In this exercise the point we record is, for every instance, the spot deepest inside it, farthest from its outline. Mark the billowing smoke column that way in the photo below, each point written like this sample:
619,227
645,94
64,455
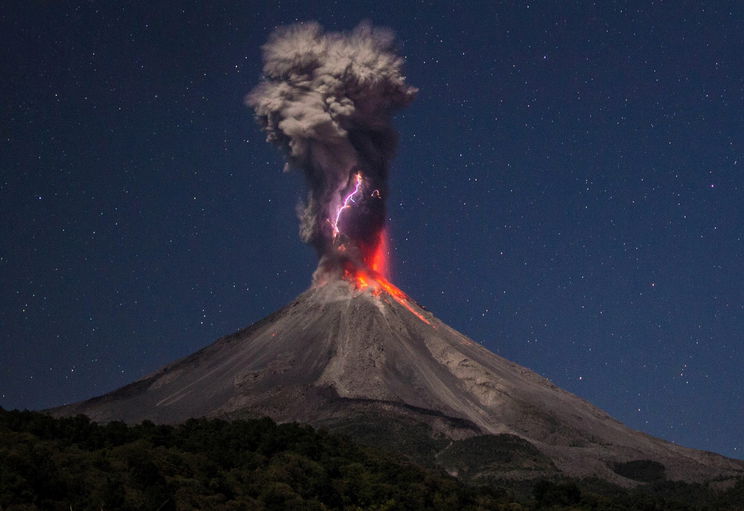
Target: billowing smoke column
326,99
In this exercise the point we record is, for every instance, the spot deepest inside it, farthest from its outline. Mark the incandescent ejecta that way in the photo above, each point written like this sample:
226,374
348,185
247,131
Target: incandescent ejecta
327,100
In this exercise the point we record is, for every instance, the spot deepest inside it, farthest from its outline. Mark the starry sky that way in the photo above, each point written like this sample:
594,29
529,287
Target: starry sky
567,191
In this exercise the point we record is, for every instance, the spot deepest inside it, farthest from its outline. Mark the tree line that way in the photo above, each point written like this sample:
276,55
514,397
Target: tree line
73,463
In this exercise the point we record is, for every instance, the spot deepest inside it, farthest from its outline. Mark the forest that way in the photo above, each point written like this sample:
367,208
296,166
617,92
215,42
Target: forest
75,464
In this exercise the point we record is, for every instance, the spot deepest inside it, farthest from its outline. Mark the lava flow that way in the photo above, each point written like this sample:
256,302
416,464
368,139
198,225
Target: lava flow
375,283
373,280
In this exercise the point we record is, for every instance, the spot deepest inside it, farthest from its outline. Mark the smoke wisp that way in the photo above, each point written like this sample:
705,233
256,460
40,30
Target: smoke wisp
326,100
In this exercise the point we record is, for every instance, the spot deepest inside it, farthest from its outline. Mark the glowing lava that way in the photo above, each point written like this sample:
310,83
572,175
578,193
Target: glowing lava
380,256
373,282
402,298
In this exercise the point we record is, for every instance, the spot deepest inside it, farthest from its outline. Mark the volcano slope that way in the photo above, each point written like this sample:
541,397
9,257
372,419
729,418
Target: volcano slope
374,364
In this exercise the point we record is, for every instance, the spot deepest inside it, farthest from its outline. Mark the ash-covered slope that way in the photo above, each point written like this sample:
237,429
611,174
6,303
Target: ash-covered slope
338,352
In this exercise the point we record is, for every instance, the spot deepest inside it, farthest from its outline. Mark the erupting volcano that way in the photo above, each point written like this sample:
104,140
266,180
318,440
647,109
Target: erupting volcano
326,100
354,353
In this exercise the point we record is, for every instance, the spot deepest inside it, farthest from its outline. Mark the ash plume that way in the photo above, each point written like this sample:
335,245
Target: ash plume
326,100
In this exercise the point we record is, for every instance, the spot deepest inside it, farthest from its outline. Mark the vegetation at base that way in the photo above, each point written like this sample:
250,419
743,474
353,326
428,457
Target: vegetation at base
73,463
412,439
646,471
481,459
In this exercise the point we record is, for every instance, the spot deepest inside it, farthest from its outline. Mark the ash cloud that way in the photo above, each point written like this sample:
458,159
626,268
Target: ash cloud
326,100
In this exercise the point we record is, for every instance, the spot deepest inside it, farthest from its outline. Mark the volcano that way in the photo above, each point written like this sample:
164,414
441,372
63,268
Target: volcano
361,357
354,353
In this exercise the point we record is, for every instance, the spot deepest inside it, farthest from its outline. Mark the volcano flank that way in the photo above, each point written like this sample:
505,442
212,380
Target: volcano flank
369,361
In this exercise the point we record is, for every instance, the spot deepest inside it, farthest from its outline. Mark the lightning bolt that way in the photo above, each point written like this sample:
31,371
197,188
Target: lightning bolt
348,201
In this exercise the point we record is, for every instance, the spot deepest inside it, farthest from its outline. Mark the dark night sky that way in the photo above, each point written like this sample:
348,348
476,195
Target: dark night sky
568,192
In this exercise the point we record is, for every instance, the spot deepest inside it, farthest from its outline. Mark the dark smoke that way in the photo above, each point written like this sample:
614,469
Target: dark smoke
326,99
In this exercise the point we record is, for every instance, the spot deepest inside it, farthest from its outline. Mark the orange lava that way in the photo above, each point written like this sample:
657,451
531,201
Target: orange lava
402,298
381,257
375,283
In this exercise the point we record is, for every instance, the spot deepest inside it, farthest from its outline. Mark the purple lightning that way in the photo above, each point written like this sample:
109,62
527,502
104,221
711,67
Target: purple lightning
349,199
